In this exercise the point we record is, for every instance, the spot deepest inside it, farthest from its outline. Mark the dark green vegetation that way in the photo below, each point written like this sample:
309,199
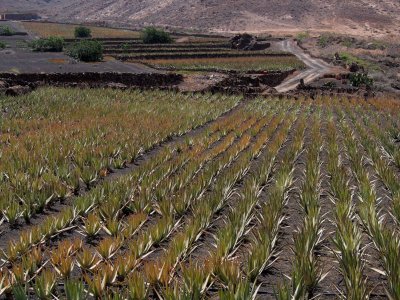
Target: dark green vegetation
6,31
51,44
87,51
358,79
2,45
152,35
82,32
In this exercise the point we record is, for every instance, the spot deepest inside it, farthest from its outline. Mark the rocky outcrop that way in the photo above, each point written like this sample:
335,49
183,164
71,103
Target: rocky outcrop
250,83
247,42
93,80
18,90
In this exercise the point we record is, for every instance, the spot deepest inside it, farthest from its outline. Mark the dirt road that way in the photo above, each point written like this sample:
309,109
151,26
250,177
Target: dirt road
316,67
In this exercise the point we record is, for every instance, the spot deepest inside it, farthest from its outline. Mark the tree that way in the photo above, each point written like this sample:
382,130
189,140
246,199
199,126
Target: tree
82,32
152,35
51,44
88,51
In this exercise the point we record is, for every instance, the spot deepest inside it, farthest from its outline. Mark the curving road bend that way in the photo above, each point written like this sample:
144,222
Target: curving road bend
316,67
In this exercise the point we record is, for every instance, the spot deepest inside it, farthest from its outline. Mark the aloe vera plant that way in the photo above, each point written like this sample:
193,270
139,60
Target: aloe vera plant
92,226
5,282
45,284
137,288
87,260
74,290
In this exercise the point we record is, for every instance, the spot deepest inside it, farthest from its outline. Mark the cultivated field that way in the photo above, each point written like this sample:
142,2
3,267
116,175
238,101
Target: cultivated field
252,63
138,195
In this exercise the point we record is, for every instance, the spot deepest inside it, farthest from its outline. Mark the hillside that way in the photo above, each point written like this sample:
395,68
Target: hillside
361,17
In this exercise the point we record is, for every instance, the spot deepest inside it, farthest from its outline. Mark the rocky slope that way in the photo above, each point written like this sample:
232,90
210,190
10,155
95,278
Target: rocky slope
361,17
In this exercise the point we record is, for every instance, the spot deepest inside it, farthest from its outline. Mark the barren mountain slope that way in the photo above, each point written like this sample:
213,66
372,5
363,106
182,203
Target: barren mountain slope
352,16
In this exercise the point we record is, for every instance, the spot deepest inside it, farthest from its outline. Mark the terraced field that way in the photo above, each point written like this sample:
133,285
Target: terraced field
208,54
255,63
159,195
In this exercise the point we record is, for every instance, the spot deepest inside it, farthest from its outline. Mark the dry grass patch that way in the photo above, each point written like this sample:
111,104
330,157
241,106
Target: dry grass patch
67,30
58,60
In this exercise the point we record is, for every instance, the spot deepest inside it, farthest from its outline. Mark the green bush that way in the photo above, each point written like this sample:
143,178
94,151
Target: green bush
2,45
51,44
349,58
83,32
152,35
88,51
126,46
301,36
358,79
6,31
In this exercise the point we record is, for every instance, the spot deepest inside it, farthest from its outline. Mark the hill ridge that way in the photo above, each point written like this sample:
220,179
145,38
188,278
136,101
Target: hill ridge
360,17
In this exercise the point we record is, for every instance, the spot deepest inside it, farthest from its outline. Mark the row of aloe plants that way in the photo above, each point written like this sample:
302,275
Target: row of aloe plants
50,158
348,237
385,240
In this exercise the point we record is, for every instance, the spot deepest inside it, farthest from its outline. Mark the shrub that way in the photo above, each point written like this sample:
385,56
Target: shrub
126,46
51,44
348,42
6,31
358,79
301,36
152,35
88,51
325,40
82,32
349,58
2,45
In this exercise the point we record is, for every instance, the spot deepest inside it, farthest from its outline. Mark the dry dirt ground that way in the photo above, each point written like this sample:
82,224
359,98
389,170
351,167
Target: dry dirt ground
379,58
18,58
357,17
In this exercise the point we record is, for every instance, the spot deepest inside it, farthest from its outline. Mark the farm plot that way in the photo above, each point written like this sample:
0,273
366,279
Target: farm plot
254,63
194,55
277,198
54,146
